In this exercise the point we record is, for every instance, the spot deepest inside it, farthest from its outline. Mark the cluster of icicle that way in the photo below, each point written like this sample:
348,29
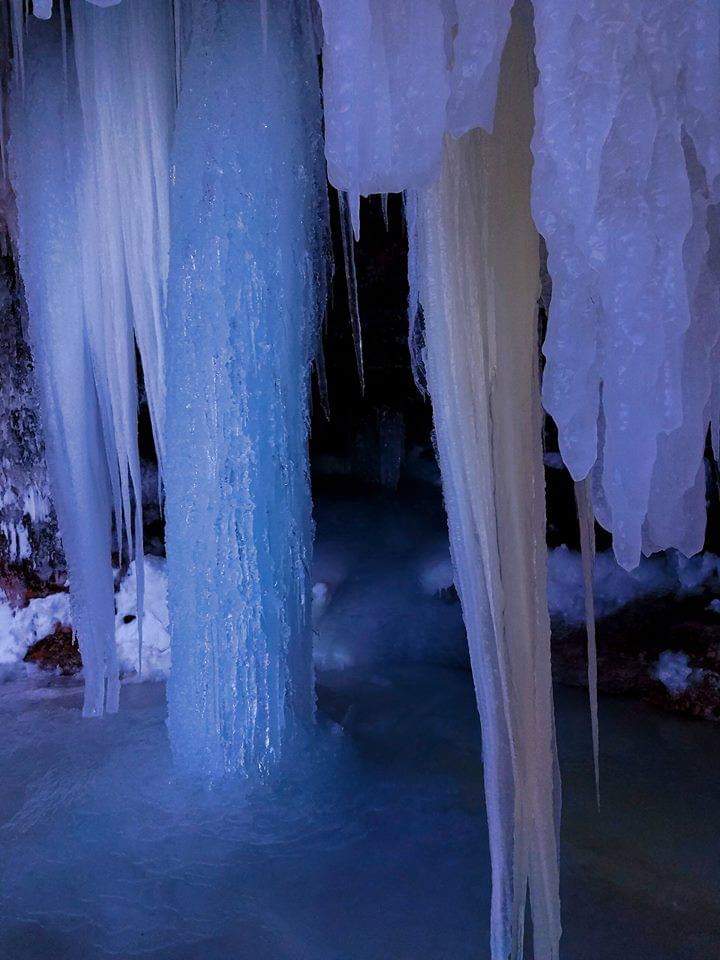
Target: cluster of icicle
396,76
181,215
89,163
626,147
474,269
624,137
627,167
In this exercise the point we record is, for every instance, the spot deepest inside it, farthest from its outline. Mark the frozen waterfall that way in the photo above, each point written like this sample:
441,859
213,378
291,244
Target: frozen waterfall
168,163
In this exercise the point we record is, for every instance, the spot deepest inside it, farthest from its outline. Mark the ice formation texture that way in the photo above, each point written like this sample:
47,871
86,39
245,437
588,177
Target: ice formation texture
478,267
247,287
625,192
89,162
396,75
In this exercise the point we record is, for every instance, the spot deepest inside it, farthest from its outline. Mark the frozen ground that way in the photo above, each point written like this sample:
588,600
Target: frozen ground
374,846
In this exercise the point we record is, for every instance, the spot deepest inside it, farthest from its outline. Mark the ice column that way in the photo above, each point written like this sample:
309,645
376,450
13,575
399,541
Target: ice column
477,255
247,285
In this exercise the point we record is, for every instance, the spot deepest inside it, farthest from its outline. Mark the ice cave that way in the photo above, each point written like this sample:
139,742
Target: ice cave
359,485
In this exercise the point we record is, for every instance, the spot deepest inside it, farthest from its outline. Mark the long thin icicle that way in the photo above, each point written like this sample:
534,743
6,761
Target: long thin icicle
586,522
479,274
348,233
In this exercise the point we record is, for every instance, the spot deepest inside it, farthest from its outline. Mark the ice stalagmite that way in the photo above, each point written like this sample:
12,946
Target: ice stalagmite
626,150
90,167
247,284
478,263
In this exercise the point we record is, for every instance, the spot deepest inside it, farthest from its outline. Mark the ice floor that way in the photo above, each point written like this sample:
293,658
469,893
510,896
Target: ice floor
374,846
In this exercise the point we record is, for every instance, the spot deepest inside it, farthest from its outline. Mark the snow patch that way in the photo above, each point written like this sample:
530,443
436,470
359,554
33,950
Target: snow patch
20,629
669,573
673,670
437,576
156,635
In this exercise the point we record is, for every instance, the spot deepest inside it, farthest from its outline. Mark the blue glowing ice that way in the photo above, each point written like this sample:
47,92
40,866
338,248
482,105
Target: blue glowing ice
247,285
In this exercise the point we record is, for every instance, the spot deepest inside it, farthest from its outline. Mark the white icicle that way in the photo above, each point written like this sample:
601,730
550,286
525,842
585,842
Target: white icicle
46,161
586,523
386,84
479,273
627,155
481,31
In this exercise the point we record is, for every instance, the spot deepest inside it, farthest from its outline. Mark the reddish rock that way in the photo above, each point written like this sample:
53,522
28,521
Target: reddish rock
58,651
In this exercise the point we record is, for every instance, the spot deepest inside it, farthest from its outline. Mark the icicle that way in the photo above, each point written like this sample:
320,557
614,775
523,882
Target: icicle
114,219
416,333
42,9
586,522
128,120
46,162
626,152
481,30
479,276
124,227
348,244
385,86
17,29
249,214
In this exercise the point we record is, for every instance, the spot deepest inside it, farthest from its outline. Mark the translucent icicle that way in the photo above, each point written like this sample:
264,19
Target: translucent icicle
46,162
586,522
385,86
479,282
384,209
348,244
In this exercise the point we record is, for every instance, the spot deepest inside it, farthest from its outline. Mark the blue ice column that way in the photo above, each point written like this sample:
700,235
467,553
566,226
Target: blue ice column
246,288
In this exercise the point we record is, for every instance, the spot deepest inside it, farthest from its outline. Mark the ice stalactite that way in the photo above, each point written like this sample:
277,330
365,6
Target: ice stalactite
45,159
90,165
586,523
478,263
625,190
247,289
396,75
125,63
348,236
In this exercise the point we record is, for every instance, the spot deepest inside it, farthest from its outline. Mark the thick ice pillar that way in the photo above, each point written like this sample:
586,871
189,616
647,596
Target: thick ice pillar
477,254
246,286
